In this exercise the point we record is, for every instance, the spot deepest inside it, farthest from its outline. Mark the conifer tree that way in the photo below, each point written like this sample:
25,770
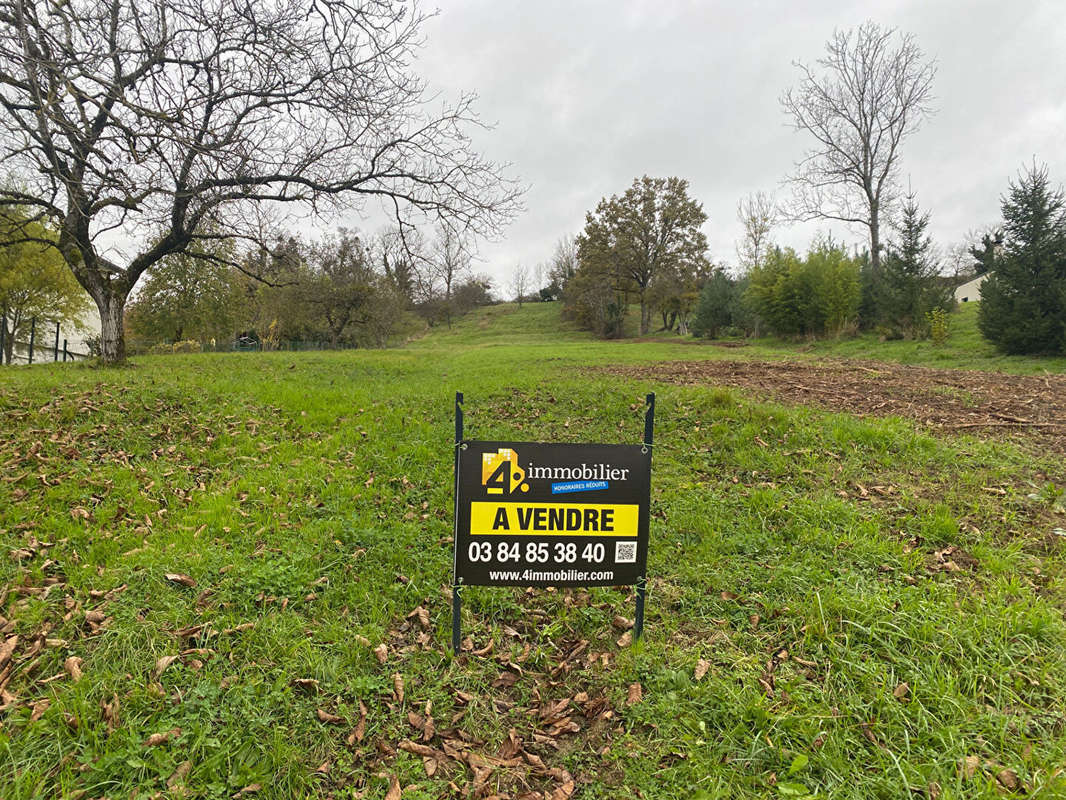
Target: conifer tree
1023,301
908,288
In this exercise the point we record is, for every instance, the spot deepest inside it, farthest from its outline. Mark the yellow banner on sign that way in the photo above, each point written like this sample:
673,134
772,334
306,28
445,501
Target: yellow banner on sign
553,519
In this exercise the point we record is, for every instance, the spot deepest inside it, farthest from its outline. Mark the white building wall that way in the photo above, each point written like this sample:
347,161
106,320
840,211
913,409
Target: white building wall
970,292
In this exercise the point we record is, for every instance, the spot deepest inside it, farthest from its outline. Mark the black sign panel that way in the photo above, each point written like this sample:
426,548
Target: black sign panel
531,514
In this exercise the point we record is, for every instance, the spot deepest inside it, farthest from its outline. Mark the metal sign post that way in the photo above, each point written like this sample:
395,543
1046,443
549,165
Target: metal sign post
543,514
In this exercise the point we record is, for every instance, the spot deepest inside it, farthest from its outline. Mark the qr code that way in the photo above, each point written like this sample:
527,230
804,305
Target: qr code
625,552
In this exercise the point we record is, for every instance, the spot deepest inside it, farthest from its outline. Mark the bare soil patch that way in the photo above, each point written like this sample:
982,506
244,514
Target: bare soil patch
945,399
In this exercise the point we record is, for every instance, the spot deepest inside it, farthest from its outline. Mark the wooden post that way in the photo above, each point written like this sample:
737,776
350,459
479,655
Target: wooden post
33,335
55,350
64,351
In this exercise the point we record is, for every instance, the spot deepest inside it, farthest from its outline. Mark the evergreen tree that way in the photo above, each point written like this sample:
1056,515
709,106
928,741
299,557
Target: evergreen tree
908,287
716,306
1023,301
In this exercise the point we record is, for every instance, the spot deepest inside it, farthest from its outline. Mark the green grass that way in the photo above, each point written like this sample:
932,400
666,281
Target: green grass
310,495
965,349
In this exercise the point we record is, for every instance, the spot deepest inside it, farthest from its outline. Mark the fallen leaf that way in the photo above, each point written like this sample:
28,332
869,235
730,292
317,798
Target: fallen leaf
382,653
394,789
251,788
968,766
324,767
110,712
359,731
621,622
157,739
932,791
727,596
868,733
626,639
328,718
39,708
1008,779
754,620
397,687
179,775
430,765
359,638
73,667
901,692
306,685
7,649
162,664
701,668
180,577
423,616
636,694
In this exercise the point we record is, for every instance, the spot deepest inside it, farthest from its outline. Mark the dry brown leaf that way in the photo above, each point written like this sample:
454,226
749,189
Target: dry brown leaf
754,620
1008,779
162,664
701,668
39,708
251,788
157,739
430,765
73,667
622,623
180,577
326,717
901,692
179,775
968,766
422,615
110,712
932,791
306,685
394,789
382,653
727,596
359,731
626,639
324,767
416,721
635,695
360,639
7,649
418,749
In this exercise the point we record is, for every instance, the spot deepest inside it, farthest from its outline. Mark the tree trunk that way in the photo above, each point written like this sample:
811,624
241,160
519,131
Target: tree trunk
112,330
645,317
875,241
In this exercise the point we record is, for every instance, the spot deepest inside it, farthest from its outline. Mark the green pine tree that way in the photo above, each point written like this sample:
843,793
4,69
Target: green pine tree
1023,301
909,286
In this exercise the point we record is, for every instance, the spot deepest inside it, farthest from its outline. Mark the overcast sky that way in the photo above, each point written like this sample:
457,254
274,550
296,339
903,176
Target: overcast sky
587,96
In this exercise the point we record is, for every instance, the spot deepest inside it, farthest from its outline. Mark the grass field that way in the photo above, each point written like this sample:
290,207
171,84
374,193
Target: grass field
838,608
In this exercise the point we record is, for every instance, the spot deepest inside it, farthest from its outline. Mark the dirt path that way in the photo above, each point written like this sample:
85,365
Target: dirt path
946,399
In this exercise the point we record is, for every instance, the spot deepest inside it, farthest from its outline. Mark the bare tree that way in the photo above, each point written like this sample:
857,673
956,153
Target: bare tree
873,90
134,122
520,283
563,264
758,213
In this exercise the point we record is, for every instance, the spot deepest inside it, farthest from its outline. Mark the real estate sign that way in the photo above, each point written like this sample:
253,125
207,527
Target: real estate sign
534,514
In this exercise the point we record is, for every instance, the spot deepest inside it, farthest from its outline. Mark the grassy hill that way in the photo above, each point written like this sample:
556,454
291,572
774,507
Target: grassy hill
227,575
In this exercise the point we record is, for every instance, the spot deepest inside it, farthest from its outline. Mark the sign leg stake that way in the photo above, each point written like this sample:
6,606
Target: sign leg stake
642,581
457,589
457,624
638,622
